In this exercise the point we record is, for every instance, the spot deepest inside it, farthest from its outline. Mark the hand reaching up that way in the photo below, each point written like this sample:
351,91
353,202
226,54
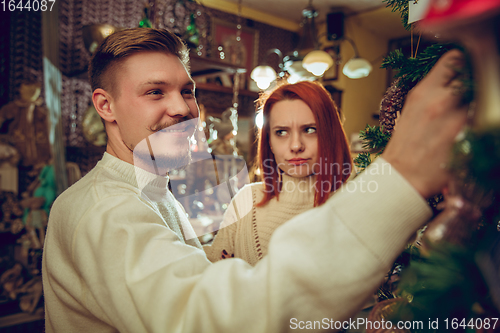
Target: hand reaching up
432,117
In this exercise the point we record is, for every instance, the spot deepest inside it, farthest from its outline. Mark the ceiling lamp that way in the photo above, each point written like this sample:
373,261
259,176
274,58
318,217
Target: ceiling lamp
263,76
317,62
307,62
356,67
292,64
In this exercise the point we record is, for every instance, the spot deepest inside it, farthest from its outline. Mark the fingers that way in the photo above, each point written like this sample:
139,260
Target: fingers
442,86
432,116
457,88
447,69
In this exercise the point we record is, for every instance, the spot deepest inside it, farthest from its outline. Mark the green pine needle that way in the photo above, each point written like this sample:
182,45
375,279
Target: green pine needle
374,139
395,60
447,284
414,69
400,6
362,161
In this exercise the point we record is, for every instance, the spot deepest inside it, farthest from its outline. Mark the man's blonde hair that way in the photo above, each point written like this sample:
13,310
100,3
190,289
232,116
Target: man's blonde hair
121,44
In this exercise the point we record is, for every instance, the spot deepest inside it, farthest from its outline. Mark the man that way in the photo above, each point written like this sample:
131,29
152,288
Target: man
116,258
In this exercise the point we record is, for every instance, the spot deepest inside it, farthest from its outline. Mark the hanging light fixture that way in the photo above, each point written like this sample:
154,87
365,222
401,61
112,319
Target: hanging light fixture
306,62
356,67
317,62
264,75
303,62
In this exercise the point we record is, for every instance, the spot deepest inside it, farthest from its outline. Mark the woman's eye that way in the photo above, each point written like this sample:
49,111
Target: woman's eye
311,130
281,132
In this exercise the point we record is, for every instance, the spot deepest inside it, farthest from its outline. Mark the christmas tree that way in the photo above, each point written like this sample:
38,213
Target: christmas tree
450,277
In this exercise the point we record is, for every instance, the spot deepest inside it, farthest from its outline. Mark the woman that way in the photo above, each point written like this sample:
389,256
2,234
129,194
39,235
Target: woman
303,156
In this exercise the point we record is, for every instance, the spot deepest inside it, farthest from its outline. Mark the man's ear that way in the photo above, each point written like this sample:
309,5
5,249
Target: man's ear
102,103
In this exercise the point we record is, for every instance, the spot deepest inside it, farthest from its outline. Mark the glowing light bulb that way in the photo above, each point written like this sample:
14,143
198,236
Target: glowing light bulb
263,76
317,62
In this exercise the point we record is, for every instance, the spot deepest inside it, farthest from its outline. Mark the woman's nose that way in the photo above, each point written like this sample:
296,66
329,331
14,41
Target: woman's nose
296,144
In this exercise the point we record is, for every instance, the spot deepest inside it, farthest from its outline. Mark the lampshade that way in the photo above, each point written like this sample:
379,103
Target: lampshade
263,76
317,62
292,63
357,68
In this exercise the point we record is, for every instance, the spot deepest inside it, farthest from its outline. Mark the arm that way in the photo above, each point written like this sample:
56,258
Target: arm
320,264
142,278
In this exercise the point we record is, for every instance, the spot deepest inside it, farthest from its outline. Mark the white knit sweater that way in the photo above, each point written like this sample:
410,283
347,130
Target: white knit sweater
117,261
246,235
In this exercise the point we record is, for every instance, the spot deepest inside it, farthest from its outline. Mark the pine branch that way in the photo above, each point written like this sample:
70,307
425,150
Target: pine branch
395,60
402,7
374,139
423,63
444,285
412,70
362,161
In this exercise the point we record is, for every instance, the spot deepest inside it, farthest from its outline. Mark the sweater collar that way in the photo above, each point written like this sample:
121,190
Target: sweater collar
133,175
298,190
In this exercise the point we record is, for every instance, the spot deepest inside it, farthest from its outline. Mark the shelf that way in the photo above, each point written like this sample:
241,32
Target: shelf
225,90
21,318
206,67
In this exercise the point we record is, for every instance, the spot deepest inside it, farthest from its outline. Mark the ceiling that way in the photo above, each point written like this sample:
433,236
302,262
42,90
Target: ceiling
376,16
292,9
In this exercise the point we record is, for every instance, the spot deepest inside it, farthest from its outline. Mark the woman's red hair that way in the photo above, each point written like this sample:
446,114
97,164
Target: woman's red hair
333,150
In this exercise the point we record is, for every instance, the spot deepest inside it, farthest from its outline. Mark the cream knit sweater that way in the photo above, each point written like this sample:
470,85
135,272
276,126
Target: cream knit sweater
116,260
246,230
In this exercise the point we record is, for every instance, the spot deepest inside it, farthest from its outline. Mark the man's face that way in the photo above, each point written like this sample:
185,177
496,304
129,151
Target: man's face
155,110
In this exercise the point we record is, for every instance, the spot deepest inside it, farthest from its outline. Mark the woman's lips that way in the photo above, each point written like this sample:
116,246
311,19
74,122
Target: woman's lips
297,161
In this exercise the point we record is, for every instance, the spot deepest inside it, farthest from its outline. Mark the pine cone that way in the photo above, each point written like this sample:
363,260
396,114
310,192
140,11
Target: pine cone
393,102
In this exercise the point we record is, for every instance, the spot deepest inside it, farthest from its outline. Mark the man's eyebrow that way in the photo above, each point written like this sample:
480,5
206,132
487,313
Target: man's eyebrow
151,83
190,83
165,83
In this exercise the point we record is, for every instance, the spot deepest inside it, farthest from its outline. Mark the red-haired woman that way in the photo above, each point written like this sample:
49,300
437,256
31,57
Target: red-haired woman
303,156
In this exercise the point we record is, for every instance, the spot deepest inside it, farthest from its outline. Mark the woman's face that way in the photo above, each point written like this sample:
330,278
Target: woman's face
293,137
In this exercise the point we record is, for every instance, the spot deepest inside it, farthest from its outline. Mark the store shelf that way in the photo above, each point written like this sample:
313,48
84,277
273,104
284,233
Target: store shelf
225,90
21,318
207,67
